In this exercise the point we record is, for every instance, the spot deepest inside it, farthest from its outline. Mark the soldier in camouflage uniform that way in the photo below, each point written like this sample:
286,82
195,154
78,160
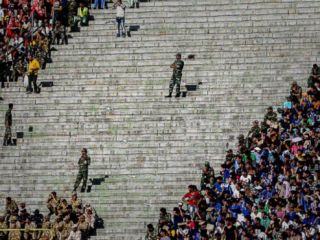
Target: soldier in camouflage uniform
53,203
75,201
177,67
67,226
255,130
15,234
83,227
269,119
72,11
207,174
58,227
11,207
83,163
3,225
164,218
62,208
151,233
8,124
29,233
47,234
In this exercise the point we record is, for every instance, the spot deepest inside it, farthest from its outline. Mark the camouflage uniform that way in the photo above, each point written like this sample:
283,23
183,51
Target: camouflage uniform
53,203
11,207
83,163
72,11
151,236
270,117
3,225
164,220
176,76
67,225
76,203
29,233
207,174
62,208
255,130
14,235
8,124
58,228
47,234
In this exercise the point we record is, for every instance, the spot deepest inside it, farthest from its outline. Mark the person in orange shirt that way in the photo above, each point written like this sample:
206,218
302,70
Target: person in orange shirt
33,69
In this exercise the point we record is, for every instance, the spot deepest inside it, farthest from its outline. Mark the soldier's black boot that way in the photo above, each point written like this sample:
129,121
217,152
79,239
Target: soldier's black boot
177,95
169,96
83,190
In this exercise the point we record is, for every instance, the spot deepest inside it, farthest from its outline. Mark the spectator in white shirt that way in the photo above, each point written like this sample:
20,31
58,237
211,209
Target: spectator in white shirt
75,234
245,178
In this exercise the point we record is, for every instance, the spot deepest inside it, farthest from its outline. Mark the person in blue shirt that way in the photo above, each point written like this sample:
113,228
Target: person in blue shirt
176,217
218,185
292,215
287,104
309,218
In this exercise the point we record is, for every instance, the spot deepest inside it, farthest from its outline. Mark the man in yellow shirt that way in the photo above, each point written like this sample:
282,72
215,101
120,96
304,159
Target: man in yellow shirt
33,69
82,15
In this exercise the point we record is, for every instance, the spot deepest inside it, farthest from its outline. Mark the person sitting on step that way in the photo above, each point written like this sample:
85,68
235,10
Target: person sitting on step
82,16
59,33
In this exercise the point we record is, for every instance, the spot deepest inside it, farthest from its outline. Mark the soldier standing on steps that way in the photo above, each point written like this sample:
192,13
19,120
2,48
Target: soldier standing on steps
72,11
8,124
177,67
83,163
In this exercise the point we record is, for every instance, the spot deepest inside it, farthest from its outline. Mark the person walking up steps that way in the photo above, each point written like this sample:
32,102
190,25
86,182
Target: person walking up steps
83,163
177,67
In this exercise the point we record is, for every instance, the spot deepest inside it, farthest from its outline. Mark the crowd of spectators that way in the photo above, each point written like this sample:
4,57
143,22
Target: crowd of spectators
28,29
267,189
67,220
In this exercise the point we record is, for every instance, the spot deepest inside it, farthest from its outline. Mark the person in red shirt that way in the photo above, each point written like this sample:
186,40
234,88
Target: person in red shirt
192,198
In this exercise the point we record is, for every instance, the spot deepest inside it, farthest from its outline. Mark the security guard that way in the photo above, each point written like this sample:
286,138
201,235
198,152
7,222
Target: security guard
8,124
177,67
83,163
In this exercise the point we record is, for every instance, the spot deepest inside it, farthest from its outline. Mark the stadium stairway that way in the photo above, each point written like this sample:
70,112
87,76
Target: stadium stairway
108,96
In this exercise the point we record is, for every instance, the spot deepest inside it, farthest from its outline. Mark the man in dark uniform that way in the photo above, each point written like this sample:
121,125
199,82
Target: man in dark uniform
314,75
255,130
177,67
207,174
8,124
83,163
